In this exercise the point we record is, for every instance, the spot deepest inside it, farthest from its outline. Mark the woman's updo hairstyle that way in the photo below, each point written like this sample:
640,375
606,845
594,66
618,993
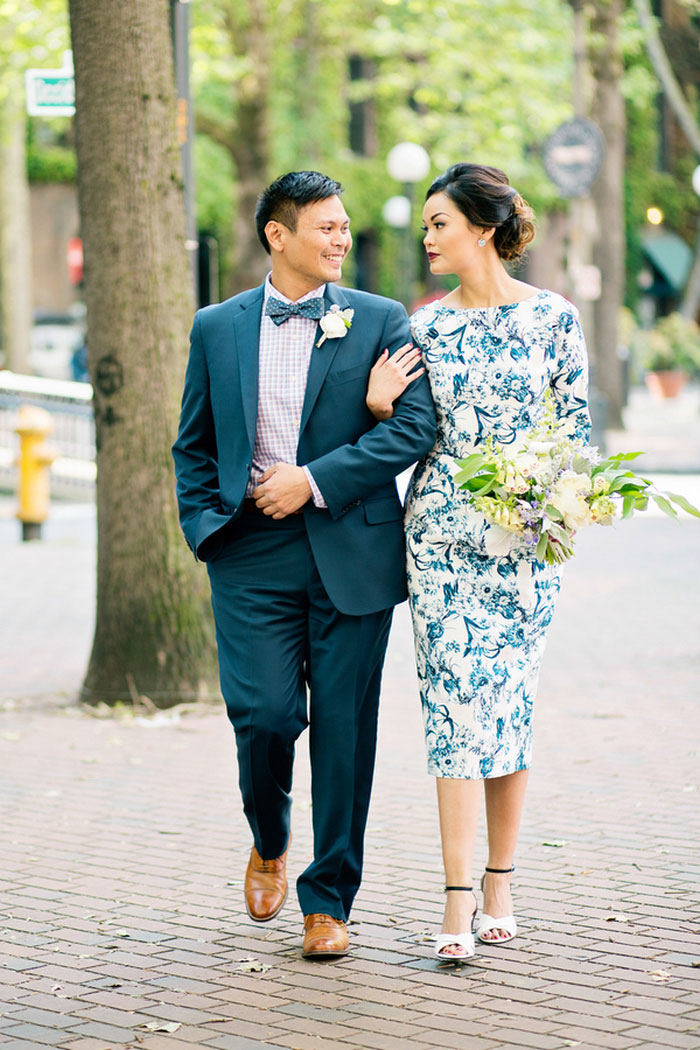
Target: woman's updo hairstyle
487,199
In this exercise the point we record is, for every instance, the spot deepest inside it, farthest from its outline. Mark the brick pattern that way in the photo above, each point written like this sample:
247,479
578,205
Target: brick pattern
122,850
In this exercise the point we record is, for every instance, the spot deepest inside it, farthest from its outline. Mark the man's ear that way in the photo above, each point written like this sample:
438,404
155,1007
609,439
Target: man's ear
276,233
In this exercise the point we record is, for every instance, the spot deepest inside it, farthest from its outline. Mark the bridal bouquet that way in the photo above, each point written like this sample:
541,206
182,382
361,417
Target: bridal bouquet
542,492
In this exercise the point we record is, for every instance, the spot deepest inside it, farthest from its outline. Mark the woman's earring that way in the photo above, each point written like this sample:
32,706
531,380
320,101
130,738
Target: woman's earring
481,242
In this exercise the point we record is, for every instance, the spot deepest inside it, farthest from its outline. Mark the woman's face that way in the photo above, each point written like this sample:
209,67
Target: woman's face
450,240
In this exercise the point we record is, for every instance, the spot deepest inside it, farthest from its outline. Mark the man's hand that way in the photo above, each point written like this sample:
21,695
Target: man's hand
283,489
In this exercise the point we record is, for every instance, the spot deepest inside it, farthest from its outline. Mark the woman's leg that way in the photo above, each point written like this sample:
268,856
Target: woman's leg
504,806
458,806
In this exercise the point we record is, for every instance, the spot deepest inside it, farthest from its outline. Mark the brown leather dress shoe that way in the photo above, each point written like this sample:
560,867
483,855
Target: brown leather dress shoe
265,886
324,936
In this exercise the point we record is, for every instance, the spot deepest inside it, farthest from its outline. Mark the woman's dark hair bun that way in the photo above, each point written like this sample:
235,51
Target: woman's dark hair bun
485,196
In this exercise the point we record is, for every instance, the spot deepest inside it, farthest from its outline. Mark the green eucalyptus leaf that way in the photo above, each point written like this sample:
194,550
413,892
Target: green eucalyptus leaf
558,533
488,482
628,506
663,504
683,503
621,457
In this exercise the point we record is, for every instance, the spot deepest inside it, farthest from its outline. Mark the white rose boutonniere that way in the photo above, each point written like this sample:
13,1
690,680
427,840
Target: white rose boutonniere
335,324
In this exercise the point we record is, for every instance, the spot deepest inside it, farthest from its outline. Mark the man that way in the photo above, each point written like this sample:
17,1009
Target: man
286,489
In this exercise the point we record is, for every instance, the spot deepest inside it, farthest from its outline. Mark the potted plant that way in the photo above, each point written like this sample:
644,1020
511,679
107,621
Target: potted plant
670,353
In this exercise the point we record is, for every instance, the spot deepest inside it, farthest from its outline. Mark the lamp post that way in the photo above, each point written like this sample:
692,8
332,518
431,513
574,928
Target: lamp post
408,163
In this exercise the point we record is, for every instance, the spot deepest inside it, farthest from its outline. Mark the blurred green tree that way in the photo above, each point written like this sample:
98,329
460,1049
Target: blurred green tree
32,33
274,87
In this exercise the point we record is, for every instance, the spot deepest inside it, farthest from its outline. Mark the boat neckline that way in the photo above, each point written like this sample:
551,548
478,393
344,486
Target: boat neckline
497,306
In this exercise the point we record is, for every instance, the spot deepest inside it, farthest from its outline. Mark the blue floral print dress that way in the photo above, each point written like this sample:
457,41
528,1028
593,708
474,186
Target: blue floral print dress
480,621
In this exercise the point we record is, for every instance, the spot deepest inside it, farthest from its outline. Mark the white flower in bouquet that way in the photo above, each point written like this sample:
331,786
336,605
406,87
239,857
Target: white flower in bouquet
541,494
569,497
527,464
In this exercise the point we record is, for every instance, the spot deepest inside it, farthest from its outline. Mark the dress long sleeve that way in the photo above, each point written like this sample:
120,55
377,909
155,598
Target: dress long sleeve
569,382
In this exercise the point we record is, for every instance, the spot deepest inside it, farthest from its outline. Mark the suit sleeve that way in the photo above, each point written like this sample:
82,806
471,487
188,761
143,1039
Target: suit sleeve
194,451
351,472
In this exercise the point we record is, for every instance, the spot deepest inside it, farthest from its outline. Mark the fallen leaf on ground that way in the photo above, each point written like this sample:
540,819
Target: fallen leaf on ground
660,975
160,1026
253,966
155,721
555,844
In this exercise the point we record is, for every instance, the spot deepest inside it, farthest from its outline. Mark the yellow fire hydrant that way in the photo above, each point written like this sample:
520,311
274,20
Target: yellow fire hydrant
35,458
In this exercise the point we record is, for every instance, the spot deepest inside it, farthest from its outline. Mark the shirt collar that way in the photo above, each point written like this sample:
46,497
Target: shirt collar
270,290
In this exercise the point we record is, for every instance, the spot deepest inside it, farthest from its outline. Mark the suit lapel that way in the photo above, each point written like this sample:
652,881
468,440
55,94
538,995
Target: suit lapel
246,333
321,356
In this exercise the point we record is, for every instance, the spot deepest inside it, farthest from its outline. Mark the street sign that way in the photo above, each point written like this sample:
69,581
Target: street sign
573,155
51,92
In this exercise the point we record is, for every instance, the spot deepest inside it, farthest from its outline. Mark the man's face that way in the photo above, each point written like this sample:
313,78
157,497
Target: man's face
316,250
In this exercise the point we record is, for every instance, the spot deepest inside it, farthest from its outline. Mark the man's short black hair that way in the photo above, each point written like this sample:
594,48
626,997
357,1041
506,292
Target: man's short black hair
285,196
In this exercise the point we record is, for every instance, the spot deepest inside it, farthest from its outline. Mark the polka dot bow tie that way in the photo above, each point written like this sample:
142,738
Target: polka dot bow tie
280,311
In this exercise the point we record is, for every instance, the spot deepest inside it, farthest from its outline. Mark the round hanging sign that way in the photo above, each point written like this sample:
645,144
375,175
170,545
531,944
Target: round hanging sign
573,155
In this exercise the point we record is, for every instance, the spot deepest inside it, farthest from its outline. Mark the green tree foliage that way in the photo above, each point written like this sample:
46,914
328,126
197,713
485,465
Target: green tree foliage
32,33
464,83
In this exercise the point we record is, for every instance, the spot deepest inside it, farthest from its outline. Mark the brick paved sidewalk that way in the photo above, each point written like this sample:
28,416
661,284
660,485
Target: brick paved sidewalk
122,850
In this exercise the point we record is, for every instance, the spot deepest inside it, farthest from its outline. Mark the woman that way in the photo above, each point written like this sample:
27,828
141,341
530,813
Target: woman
493,348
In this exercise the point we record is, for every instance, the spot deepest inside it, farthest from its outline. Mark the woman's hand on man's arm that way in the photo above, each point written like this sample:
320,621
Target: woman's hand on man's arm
389,378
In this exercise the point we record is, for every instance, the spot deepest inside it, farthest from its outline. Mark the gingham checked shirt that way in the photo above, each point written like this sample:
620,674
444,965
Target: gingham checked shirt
285,353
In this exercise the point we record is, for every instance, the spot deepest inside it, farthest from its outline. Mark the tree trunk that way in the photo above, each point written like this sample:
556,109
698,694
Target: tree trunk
15,236
664,71
250,143
153,633
608,112
691,297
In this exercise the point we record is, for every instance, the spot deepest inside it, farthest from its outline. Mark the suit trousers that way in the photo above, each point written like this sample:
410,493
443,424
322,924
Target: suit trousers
277,634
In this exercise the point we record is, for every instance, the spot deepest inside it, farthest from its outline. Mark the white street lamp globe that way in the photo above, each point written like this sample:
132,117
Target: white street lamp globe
408,162
696,180
397,212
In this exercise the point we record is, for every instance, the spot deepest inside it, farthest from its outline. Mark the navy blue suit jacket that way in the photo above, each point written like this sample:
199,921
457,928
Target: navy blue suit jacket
357,542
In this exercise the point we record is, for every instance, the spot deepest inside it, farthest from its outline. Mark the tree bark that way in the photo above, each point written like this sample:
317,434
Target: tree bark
154,633
664,71
15,236
250,144
608,112
691,297
684,115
